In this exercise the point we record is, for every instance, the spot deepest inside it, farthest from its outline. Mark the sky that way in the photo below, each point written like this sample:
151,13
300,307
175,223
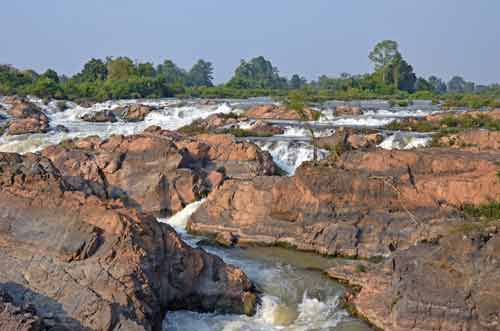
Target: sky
308,37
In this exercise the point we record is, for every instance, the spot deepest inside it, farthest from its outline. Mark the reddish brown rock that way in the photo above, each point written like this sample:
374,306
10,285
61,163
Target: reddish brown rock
222,151
346,110
474,139
367,204
449,285
133,113
102,116
147,172
261,128
89,264
27,118
157,171
211,123
281,113
350,139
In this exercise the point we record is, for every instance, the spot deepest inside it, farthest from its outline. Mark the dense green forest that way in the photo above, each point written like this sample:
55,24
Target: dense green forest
121,78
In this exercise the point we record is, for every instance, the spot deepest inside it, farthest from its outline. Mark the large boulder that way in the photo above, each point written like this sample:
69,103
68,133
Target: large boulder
448,285
147,172
102,116
133,113
90,264
347,110
349,139
239,159
26,118
276,112
158,171
366,204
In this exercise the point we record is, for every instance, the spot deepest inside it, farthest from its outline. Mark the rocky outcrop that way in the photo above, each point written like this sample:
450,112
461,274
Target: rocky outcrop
158,171
102,116
211,123
90,264
350,139
238,159
281,113
448,285
26,118
473,139
366,204
15,318
147,172
133,113
261,128
346,110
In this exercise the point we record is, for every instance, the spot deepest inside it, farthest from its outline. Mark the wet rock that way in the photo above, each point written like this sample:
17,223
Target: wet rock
366,204
238,159
346,110
61,128
133,113
211,123
102,116
261,128
89,264
281,113
26,118
448,285
350,139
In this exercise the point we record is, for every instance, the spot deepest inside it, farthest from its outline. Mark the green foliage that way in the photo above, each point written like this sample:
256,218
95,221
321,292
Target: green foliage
201,74
489,211
258,73
93,70
121,68
360,268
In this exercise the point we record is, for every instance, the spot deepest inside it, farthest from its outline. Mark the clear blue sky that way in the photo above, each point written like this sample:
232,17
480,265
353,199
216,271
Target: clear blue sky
310,37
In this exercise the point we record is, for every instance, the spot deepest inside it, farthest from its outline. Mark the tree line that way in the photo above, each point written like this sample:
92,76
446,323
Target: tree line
122,78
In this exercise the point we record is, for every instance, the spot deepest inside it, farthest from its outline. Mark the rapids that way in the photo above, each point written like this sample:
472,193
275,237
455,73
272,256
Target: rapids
296,295
289,150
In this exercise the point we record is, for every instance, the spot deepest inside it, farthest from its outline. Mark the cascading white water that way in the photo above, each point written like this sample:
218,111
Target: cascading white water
295,298
289,155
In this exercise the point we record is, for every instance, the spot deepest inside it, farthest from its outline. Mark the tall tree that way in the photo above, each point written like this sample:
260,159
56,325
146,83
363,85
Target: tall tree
383,54
146,70
172,74
401,75
201,74
121,68
438,85
423,85
93,70
458,85
52,75
297,82
257,73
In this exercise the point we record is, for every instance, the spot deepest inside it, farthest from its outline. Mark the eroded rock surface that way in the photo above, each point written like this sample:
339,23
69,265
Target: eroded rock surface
26,118
90,264
367,204
449,285
281,113
158,171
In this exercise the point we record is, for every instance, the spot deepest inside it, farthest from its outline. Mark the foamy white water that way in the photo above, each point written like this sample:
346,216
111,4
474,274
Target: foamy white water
289,155
405,141
294,297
